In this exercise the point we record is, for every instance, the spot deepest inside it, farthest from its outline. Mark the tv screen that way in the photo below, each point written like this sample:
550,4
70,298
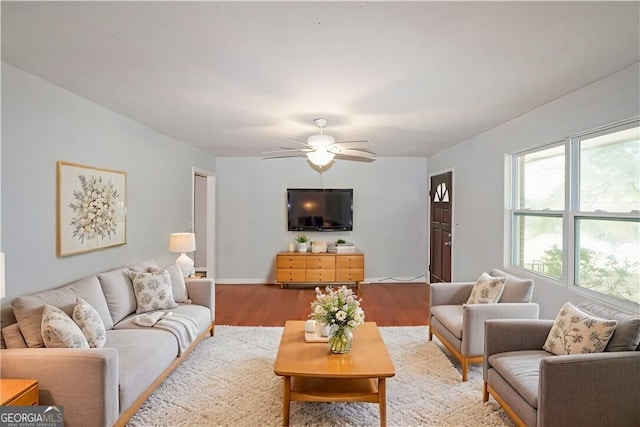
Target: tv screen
312,209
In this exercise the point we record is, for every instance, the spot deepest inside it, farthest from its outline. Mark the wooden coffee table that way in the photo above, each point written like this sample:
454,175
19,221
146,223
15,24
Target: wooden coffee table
313,374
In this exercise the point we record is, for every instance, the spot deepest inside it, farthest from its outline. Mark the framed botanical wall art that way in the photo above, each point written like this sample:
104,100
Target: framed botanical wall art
91,207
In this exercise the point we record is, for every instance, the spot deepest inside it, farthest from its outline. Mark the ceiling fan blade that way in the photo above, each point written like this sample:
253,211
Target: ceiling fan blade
286,150
294,142
354,158
355,142
352,153
284,157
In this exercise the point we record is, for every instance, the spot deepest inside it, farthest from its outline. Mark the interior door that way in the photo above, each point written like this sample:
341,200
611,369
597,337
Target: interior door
441,202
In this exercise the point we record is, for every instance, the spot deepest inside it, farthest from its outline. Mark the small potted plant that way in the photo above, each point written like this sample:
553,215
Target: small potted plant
302,242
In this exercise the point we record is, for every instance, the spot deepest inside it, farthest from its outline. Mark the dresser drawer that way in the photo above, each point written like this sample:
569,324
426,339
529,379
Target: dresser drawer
320,261
349,275
290,275
320,275
290,261
18,392
350,261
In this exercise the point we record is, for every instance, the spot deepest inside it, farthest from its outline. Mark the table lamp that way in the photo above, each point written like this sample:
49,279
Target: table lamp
182,243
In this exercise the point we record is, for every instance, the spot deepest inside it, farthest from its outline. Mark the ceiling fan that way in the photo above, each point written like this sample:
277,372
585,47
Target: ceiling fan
321,148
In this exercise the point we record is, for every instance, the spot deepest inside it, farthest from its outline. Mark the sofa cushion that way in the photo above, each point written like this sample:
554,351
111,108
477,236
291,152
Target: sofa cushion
521,369
178,286
12,337
487,290
28,309
576,332
450,316
142,356
90,323
152,291
143,266
515,289
59,330
626,335
118,291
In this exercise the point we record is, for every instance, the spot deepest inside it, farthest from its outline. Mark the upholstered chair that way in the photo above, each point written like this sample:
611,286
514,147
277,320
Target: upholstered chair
460,326
541,389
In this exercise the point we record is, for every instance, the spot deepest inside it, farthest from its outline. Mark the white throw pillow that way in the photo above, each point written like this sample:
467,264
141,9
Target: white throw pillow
59,331
487,290
576,332
178,287
153,291
90,323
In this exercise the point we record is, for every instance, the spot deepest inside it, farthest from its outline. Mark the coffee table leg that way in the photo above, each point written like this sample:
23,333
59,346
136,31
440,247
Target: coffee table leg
382,396
286,401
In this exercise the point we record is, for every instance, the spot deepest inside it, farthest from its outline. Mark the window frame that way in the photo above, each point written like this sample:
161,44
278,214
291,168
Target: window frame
570,215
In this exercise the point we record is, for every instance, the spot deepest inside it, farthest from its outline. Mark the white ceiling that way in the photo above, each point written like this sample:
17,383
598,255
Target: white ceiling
233,78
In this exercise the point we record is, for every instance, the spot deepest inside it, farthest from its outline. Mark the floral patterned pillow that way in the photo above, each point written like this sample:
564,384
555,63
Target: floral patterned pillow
487,290
59,331
90,323
576,332
153,291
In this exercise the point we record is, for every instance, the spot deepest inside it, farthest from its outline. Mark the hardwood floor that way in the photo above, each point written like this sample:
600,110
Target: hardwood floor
387,304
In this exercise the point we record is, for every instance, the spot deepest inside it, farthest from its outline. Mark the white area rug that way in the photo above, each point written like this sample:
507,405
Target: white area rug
228,380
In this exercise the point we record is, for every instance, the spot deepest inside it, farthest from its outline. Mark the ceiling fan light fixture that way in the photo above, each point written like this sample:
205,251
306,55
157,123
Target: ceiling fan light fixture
320,157
320,140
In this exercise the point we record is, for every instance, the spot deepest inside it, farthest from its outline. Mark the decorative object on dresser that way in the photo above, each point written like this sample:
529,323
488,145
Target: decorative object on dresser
326,268
181,243
91,212
302,240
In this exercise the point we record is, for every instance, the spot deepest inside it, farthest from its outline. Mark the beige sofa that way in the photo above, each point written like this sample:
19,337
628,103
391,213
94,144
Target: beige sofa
100,386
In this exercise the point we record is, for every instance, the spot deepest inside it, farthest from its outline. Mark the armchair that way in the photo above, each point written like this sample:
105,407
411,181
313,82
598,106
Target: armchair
460,327
539,389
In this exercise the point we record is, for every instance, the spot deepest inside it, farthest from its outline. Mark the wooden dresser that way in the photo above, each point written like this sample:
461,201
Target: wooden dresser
319,269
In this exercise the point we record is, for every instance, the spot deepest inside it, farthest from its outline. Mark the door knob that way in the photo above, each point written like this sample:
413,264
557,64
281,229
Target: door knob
447,243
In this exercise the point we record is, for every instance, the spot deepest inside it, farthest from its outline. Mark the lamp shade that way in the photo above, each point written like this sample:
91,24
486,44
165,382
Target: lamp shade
182,242
320,156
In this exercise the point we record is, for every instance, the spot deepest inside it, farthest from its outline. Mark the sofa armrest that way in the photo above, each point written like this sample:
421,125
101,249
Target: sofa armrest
502,335
203,292
63,372
474,316
596,389
455,293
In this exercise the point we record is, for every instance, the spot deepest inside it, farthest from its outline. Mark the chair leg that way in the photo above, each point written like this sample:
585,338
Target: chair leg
430,334
485,392
465,368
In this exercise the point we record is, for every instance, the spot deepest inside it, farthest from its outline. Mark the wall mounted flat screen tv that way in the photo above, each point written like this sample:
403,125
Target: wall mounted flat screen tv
315,209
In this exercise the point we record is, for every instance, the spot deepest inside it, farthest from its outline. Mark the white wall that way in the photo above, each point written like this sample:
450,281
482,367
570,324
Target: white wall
42,124
480,172
390,211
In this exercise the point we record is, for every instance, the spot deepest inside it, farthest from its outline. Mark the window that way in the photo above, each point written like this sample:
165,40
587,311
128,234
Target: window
576,211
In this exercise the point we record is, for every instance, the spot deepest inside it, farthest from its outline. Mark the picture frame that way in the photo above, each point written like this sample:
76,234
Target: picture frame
91,208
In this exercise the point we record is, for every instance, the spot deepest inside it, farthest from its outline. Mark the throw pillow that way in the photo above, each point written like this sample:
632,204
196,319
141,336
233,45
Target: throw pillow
178,286
487,290
576,332
59,331
90,323
152,290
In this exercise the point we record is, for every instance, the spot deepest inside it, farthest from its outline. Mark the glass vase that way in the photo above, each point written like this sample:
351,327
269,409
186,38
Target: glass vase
340,339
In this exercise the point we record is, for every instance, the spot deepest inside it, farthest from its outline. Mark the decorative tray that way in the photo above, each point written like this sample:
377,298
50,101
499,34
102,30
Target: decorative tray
315,336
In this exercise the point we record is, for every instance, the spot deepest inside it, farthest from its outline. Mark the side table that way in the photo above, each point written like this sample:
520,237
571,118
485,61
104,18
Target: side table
19,392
